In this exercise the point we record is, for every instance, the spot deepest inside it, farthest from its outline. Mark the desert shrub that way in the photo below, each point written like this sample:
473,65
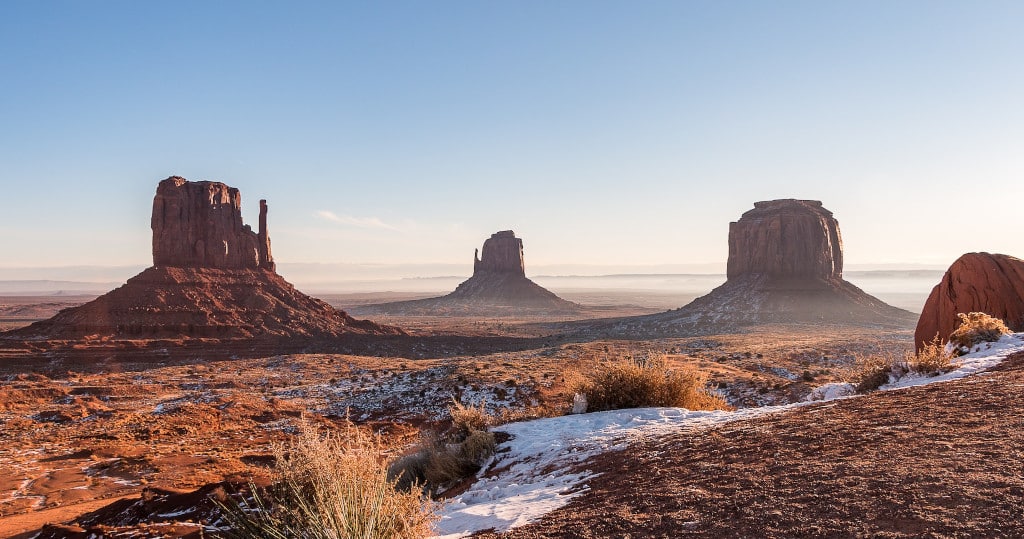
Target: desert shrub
933,359
643,382
872,372
441,461
467,419
331,486
976,328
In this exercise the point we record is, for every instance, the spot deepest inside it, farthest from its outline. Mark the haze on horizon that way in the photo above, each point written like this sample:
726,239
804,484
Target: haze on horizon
604,133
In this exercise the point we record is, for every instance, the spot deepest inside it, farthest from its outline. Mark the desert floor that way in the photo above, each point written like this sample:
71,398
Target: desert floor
91,427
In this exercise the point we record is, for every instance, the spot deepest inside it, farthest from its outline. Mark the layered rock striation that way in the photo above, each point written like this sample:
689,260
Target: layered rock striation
212,277
498,286
975,282
785,266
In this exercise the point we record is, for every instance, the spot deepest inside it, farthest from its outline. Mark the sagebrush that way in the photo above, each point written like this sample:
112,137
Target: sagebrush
868,373
331,486
440,461
976,328
643,382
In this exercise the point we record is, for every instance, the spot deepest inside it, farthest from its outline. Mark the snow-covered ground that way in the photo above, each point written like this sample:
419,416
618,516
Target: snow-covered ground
534,473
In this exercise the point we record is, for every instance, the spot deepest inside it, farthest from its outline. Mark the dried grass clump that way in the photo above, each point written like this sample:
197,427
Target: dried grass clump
331,486
467,418
643,382
872,372
976,328
933,359
439,463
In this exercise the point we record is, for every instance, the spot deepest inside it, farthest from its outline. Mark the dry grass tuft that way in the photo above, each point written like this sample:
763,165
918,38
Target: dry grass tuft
976,328
331,486
872,372
643,382
467,419
439,463
932,360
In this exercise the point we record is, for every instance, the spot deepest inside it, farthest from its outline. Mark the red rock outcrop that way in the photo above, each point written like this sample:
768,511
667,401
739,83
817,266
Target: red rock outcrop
498,284
199,225
786,238
211,277
502,253
976,282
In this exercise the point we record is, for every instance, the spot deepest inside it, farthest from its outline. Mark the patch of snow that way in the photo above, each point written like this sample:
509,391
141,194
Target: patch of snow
831,391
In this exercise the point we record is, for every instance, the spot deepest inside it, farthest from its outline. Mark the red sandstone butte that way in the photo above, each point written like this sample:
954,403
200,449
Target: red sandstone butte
212,277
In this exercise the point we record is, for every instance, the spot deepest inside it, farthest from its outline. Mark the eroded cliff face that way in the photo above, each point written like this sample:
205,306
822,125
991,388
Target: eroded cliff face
976,282
787,239
502,253
199,225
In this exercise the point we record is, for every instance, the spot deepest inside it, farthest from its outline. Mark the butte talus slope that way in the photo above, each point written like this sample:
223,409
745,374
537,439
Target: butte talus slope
498,286
975,282
212,276
785,267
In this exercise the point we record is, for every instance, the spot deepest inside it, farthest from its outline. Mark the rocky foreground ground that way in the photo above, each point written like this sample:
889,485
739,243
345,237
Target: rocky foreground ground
943,460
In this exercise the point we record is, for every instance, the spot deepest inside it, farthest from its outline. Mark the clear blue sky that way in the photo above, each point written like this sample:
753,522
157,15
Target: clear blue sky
601,132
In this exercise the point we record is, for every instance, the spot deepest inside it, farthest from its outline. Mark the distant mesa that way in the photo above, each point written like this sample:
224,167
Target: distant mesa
975,282
498,286
212,277
785,266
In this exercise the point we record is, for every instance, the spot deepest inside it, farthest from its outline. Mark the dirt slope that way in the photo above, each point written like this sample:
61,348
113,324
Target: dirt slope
943,460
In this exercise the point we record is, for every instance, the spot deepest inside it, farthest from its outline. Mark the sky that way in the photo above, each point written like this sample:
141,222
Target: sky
604,133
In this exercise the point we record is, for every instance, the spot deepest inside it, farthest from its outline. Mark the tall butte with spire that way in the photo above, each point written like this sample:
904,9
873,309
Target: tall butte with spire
212,277
498,285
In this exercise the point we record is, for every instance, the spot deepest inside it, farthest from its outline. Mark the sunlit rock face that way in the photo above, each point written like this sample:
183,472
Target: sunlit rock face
199,225
976,282
788,238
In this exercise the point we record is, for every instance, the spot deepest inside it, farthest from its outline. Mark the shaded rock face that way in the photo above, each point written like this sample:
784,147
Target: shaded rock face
199,225
502,253
785,267
498,284
976,282
788,238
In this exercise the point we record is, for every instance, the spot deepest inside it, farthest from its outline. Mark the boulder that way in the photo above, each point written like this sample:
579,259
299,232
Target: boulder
976,282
